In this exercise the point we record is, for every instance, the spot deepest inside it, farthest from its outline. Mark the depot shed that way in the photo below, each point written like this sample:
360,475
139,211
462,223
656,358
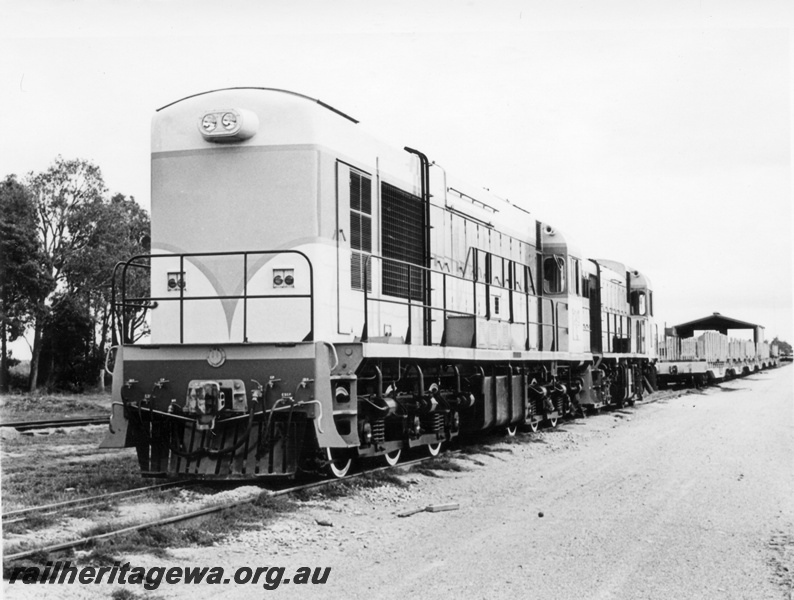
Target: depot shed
716,322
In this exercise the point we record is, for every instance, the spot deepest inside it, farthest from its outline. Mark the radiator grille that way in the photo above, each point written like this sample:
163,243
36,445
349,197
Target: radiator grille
402,230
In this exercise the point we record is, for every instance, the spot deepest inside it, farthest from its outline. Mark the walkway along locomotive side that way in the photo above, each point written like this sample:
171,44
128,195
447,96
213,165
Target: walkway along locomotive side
317,296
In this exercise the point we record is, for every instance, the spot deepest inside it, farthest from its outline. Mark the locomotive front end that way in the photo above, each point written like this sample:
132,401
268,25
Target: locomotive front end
233,412
218,373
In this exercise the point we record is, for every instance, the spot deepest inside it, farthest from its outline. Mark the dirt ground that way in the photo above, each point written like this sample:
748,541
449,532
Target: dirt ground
688,497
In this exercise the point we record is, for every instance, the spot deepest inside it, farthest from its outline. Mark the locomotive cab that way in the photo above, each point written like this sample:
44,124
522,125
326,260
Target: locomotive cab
565,303
626,344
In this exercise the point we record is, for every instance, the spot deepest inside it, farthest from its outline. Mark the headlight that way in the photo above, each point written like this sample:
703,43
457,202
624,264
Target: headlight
209,123
229,120
228,125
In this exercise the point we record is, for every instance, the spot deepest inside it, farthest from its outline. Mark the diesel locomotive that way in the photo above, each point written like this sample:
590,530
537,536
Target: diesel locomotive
315,296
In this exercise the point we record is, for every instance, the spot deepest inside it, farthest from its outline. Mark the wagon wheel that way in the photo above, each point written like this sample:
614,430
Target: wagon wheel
337,467
392,458
553,421
511,430
533,426
434,449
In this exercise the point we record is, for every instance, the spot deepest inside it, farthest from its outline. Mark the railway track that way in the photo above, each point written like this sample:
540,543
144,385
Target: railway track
16,516
189,515
48,423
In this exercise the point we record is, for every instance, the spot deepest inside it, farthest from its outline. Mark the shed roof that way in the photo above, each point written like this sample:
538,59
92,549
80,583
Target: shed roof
716,322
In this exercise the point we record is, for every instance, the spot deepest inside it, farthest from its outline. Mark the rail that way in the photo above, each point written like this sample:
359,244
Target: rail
50,423
516,281
127,307
201,512
414,274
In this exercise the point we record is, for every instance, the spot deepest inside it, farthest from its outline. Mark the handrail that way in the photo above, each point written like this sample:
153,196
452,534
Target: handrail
137,303
410,303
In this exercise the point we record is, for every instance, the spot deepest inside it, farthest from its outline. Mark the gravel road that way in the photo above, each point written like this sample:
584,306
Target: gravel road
683,497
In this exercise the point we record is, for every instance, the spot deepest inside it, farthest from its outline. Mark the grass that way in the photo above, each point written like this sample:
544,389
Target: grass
126,594
471,459
211,529
39,559
32,522
489,449
204,532
341,489
444,463
43,469
29,407
36,480
157,540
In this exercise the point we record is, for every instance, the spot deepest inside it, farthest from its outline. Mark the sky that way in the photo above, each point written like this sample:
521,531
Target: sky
653,133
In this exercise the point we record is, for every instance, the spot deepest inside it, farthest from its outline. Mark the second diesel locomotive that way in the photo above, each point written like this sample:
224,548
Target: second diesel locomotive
316,296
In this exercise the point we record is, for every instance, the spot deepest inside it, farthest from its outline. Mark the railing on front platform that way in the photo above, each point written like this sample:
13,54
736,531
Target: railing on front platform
128,307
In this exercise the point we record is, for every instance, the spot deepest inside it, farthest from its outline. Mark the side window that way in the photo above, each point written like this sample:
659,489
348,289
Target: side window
360,230
554,274
638,304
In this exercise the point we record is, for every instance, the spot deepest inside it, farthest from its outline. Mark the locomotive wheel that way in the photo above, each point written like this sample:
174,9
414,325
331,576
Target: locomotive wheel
553,422
337,467
533,426
392,458
434,449
511,430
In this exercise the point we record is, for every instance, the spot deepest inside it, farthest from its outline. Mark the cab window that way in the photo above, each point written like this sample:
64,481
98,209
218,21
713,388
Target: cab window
554,274
638,304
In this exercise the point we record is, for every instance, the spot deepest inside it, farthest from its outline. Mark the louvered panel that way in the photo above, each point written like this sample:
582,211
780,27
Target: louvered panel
355,191
360,229
402,230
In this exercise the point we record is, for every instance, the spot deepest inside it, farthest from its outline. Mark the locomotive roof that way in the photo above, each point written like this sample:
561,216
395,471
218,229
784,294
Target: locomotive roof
264,89
498,212
638,278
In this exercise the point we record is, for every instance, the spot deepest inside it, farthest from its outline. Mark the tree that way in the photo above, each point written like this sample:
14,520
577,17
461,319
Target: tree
64,235
783,347
132,239
67,359
125,227
22,279
69,199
